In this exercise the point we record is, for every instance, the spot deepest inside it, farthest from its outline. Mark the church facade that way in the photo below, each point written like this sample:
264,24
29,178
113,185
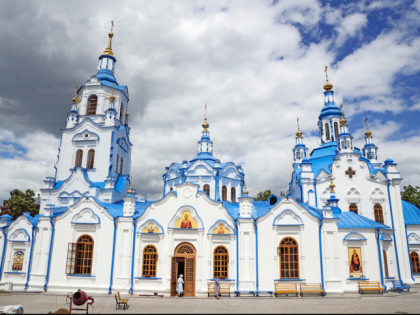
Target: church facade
342,220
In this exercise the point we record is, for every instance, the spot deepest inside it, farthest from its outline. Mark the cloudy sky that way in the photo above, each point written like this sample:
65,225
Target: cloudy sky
257,64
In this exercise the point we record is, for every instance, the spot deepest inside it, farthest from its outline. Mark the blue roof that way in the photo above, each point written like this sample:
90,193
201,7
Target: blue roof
33,220
350,219
314,211
116,209
411,213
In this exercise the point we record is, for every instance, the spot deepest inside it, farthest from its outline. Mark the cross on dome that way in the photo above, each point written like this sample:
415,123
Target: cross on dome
108,50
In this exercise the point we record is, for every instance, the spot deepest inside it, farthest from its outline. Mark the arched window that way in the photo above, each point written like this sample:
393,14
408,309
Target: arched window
90,158
342,144
121,165
84,255
379,214
79,157
297,155
92,103
289,259
224,193
348,144
121,112
335,130
353,208
385,263
149,261
116,165
327,131
221,263
206,188
415,263
233,194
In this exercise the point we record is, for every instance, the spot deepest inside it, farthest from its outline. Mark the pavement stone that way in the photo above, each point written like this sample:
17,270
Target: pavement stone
350,303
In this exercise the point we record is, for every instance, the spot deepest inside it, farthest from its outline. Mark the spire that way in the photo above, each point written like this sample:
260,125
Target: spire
343,121
327,86
332,186
75,100
368,133
73,115
299,151
205,145
298,132
130,190
108,50
205,123
328,119
244,191
370,150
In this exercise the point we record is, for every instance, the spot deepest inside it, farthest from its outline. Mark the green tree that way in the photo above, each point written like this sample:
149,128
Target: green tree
411,194
263,195
20,202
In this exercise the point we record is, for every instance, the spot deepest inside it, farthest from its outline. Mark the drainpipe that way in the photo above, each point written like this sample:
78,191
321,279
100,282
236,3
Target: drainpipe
409,257
30,258
237,256
380,259
395,242
316,197
113,255
132,255
320,256
256,254
4,251
47,278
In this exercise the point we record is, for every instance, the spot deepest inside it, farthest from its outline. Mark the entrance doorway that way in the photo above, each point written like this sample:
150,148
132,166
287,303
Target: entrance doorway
183,263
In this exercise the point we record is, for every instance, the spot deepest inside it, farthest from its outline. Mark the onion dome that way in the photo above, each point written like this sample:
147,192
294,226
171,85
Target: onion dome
245,191
75,100
343,121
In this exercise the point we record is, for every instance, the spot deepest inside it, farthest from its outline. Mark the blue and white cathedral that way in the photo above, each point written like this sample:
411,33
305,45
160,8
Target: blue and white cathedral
342,220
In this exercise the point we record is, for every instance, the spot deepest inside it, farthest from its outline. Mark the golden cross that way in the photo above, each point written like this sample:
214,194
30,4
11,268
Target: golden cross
341,109
298,123
205,111
326,72
112,26
366,119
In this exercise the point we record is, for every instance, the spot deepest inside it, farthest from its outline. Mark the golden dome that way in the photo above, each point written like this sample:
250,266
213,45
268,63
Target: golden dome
368,134
205,123
343,121
298,134
328,86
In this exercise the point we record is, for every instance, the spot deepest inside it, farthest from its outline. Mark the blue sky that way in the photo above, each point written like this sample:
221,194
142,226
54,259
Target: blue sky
257,64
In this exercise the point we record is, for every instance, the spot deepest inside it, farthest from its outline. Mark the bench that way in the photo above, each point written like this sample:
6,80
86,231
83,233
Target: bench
224,288
285,288
311,288
119,301
399,286
366,286
251,293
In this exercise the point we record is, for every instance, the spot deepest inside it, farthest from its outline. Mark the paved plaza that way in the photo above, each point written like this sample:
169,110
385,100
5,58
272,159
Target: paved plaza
394,303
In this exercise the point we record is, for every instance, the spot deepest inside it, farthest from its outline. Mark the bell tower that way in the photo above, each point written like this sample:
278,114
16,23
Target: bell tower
95,144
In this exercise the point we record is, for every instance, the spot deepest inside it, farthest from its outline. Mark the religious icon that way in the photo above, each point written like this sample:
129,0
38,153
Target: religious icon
186,223
18,260
355,262
221,230
151,229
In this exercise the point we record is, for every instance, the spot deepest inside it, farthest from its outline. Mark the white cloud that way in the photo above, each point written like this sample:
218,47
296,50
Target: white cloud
246,61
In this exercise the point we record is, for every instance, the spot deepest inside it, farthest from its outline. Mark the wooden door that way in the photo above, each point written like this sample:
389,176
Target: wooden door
189,282
173,276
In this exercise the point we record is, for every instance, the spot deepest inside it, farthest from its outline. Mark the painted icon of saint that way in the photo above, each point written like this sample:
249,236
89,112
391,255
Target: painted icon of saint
355,262
186,223
221,230
151,229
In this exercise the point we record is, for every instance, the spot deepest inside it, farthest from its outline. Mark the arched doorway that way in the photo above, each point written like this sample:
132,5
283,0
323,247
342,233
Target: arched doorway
183,262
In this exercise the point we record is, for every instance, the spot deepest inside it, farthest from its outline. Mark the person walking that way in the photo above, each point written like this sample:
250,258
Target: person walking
217,289
180,286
